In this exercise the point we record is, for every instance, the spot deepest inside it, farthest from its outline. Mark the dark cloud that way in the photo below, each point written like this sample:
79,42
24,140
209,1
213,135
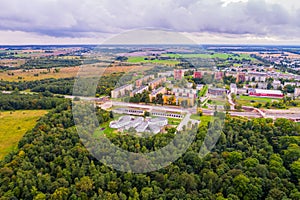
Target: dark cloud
76,18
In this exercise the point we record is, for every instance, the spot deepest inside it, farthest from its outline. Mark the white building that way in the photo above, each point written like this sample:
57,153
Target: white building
276,84
262,85
165,74
142,127
123,121
137,121
184,92
161,121
153,125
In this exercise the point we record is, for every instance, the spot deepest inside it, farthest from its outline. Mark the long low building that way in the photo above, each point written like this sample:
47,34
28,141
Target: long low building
217,91
266,93
137,112
141,125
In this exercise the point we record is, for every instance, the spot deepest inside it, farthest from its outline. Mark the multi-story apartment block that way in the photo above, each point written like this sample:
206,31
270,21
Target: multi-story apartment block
121,91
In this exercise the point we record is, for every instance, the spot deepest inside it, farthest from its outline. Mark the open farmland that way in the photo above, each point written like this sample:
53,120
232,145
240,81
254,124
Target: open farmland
156,61
12,62
223,56
67,72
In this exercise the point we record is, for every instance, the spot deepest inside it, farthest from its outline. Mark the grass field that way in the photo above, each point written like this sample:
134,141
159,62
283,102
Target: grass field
175,122
246,100
142,60
212,56
204,119
14,126
104,129
66,72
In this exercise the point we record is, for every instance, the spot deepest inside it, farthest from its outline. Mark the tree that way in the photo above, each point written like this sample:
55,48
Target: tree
85,184
146,193
295,168
227,106
240,183
146,114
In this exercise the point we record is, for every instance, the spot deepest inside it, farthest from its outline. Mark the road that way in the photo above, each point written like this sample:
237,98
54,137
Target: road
230,101
255,113
184,122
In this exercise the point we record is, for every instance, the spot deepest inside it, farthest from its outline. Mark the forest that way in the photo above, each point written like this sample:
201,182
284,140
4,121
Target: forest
17,101
64,86
253,159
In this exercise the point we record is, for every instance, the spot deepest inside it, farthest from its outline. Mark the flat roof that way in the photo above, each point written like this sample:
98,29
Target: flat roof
217,89
277,92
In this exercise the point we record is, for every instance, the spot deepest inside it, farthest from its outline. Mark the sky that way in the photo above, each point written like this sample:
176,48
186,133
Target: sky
97,21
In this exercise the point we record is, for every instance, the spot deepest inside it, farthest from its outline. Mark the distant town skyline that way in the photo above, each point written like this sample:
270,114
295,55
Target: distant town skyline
203,21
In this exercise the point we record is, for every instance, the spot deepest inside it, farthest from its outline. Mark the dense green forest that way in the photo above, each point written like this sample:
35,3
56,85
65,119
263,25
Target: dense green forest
17,101
57,86
254,159
65,86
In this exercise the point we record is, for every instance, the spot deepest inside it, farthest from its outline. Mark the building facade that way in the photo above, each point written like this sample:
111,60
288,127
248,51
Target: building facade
266,93
157,82
145,79
178,74
161,90
217,91
197,74
139,90
241,77
121,91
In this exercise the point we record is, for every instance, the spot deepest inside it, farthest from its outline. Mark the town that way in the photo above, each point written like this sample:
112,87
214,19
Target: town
244,90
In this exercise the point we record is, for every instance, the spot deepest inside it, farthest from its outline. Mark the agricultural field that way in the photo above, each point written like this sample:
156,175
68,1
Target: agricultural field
222,56
13,125
38,74
12,62
66,72
156,61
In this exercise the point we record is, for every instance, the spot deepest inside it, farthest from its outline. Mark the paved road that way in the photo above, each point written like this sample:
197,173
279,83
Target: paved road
232,104
256,114
184,122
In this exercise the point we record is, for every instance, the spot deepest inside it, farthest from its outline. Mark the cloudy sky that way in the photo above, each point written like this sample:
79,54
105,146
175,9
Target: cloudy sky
204,21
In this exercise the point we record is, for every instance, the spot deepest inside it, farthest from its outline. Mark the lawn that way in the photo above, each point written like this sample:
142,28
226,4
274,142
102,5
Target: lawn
218,102
246,100
204,119
104,129
175,122
13,125
203,92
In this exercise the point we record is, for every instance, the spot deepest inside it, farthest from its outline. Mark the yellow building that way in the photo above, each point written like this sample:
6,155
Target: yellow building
179,101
